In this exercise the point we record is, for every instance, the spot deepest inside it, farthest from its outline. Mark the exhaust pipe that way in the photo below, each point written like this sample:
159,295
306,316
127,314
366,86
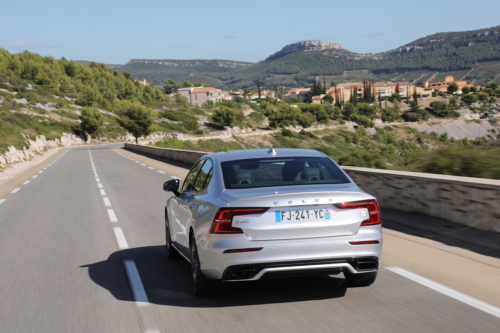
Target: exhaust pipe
241,274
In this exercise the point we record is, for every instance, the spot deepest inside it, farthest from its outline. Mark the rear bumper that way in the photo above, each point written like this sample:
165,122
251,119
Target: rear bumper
254,272
288,257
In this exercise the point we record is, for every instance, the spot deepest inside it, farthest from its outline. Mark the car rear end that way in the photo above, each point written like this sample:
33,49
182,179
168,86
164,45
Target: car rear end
312,220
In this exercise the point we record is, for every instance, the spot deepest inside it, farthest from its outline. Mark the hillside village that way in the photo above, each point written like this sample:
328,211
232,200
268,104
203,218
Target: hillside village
48,103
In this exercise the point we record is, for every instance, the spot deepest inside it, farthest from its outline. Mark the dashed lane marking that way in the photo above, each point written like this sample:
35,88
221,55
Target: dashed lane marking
34,176
474,302
41,172
106,202
16,190
2,200
99,185
135,281
120,238
151,168
112,215
26,182
102,192
161,172
97,180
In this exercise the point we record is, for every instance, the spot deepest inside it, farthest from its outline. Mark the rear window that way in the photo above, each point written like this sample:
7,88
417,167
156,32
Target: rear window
267,172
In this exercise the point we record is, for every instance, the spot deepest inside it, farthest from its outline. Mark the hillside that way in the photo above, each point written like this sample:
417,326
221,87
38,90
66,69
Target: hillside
298,64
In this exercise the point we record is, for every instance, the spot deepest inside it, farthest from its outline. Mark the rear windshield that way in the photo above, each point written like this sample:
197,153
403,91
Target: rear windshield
266,172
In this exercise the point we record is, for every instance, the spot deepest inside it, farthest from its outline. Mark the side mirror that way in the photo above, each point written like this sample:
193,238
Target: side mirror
172,186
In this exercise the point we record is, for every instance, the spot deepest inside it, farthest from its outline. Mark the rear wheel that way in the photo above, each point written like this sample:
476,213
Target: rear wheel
359,280
171,251
202,286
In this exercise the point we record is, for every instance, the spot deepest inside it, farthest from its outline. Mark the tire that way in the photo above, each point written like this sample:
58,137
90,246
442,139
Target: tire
203,286
171,251
359,280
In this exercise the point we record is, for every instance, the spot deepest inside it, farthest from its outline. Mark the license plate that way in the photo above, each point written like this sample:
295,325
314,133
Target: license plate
303,215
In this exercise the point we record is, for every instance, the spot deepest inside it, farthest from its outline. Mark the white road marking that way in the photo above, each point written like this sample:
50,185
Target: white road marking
102,192
474,302
16,190
152,331
161,172
151,168
112,216
44,168
99,185
136,161
26,182
143,164
34,176
106,202
135,282
175,177
120,238
97,180
2,200
41,172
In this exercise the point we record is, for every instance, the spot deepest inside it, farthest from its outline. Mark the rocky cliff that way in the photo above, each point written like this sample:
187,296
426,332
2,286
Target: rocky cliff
36,147
307,45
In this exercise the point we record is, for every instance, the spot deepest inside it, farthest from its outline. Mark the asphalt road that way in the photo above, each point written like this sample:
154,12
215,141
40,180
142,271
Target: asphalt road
75,257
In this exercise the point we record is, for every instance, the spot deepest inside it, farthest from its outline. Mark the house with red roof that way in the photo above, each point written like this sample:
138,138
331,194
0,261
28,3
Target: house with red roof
198,96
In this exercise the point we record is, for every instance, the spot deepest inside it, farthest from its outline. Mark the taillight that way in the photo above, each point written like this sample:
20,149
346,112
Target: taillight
371,205
224,217
365,242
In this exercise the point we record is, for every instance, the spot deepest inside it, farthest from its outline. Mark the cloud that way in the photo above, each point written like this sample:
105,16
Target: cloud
373,35
24,44
229,37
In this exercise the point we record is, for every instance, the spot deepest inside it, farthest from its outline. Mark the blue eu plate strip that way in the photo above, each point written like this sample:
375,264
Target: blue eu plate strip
278,216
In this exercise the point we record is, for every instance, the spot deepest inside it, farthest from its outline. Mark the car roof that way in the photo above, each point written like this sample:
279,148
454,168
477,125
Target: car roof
265,153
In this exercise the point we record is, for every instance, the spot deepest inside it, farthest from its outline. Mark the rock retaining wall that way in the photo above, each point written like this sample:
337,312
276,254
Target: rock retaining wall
468,201
36,147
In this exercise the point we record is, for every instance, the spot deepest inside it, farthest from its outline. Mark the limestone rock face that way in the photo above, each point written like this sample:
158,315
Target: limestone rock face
37,147
306,45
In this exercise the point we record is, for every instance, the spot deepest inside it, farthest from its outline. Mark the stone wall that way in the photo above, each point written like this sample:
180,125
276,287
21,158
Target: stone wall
185,156
469,201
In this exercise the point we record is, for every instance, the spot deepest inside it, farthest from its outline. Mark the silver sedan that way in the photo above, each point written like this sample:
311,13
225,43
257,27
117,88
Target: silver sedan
269,213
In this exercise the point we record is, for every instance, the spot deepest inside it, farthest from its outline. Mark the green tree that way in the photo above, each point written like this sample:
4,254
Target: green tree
469,99
349,109
483,97
135,118
170,87
224,116
186,84
328,99
395,97
367,109
91,120
465,90
389,115
452,88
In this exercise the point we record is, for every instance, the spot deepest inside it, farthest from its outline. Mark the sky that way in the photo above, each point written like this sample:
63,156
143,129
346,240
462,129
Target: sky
113,32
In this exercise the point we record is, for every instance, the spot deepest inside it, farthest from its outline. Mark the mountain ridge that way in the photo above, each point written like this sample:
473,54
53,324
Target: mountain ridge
454,53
